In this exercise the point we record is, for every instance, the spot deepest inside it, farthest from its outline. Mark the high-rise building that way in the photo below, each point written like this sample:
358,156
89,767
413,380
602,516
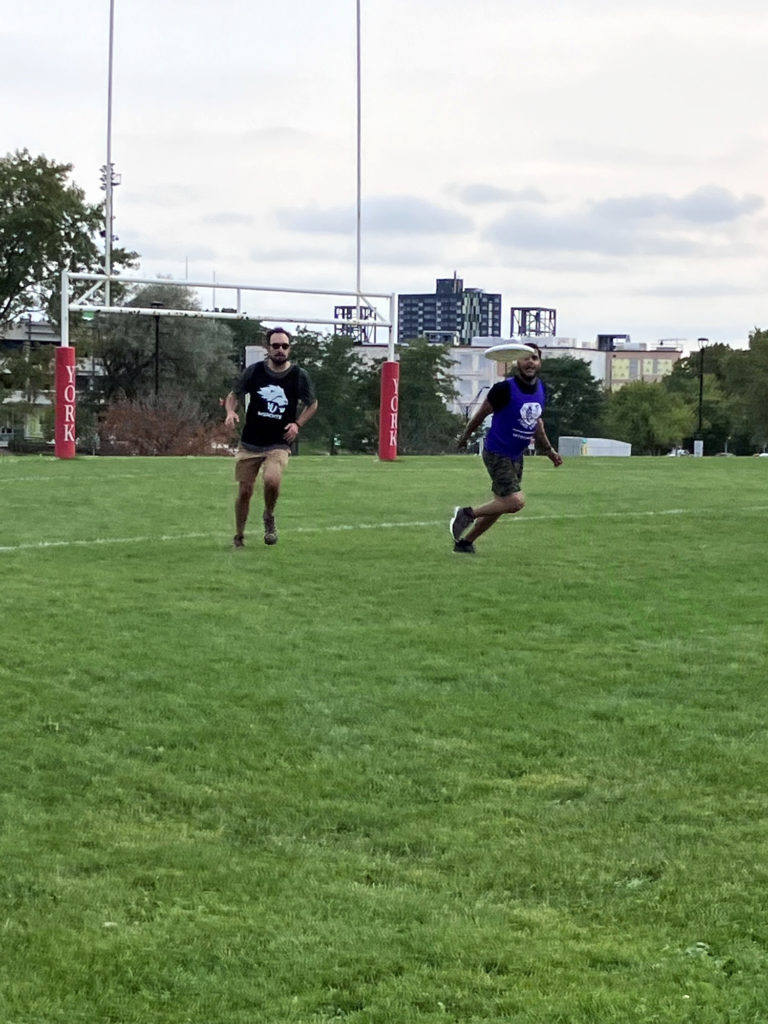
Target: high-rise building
453,315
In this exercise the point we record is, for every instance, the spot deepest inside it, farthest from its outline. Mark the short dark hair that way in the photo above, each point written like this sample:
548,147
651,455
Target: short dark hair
278,330
533,345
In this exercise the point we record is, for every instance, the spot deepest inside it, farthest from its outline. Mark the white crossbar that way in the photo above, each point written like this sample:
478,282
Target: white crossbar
84,306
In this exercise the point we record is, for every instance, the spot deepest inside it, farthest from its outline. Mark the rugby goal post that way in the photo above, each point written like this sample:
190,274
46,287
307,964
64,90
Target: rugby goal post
66,366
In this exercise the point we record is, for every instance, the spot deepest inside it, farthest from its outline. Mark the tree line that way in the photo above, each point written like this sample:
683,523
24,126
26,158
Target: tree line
156,383
718,394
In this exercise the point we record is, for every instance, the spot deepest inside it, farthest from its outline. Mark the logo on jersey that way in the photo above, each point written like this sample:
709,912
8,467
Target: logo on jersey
529,414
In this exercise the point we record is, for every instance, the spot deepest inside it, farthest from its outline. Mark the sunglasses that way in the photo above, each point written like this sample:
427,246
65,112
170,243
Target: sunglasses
279,344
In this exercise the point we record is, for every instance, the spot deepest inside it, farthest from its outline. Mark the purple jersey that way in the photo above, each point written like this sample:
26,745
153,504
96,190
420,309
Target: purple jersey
515,415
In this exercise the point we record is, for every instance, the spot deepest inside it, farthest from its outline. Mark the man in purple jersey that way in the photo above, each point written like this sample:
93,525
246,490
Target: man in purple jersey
516,405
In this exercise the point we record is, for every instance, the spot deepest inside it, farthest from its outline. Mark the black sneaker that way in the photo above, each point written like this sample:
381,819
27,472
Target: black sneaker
238,541
462,518
270,530
466,547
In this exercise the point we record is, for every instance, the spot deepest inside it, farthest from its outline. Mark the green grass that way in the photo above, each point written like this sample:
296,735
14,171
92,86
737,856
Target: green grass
357,777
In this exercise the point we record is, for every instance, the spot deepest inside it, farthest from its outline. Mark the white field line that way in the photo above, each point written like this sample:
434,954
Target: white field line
101,541
6,481
343,528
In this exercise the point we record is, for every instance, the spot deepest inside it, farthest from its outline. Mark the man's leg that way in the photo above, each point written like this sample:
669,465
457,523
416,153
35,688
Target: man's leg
499,506
481,524
242,507
507,499
484,518
246,471
273,477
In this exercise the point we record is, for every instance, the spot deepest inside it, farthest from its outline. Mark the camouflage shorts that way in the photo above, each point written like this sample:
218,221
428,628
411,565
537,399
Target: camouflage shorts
506,474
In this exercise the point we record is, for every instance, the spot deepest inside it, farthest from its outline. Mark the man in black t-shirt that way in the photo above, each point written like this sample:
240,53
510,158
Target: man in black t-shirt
281,400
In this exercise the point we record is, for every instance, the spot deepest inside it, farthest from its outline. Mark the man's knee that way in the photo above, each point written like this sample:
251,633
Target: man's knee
515,502
273,476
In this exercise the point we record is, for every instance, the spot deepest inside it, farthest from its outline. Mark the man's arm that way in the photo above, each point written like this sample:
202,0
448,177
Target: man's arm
543,441
477,419
230,404
292,429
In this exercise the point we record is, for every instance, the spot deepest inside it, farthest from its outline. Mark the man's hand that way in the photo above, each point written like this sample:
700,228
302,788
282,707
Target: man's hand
555,457
231,418
461,442
291,432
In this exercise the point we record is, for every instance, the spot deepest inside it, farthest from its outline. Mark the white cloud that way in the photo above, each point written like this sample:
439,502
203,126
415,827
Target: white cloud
379,215
479,193
705,205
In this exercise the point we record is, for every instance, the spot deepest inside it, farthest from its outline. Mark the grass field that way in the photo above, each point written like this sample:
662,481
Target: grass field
357,777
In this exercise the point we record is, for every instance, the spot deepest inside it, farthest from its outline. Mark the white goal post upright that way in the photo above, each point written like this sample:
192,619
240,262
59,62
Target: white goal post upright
66,399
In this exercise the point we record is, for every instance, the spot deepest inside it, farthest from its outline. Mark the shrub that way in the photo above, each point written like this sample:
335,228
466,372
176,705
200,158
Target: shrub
167,424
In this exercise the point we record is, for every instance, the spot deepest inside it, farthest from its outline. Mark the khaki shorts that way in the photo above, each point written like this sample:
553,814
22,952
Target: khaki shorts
248,464
506,474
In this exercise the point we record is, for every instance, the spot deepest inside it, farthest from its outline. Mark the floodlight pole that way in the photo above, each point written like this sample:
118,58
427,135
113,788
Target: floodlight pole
108,173
390,370
359,161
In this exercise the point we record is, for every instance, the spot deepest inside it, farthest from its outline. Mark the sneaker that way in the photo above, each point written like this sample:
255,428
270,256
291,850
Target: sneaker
466,547
270,530
462,518
238,541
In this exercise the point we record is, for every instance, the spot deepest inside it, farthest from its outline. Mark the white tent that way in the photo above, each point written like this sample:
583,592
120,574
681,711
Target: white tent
592,446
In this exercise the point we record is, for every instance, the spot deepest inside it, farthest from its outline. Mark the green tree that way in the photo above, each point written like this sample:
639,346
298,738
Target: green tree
648,416
26,373
746,382
244,333
46,226
342,419
699,381
575,401
27,369
144,354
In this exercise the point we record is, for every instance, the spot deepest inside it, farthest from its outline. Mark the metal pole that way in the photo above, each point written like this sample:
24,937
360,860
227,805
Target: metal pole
108,170
64,308
698,443
392,331
359,164
157,354
702,342
701,388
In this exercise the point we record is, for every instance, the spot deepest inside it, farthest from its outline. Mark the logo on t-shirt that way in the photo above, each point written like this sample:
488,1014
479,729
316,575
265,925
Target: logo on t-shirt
275,400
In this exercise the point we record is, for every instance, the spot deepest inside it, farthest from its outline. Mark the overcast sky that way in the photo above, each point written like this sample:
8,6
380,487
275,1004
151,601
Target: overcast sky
607,158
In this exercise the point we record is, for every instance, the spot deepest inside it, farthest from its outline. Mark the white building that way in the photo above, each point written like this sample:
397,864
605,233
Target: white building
625,362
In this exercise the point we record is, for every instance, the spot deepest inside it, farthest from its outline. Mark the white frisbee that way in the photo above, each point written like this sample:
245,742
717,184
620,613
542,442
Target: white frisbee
509,351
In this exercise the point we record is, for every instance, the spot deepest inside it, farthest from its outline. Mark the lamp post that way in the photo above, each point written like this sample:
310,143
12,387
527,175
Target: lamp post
157,305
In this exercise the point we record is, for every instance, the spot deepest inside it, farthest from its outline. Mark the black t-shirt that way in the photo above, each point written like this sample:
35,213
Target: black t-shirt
273,403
